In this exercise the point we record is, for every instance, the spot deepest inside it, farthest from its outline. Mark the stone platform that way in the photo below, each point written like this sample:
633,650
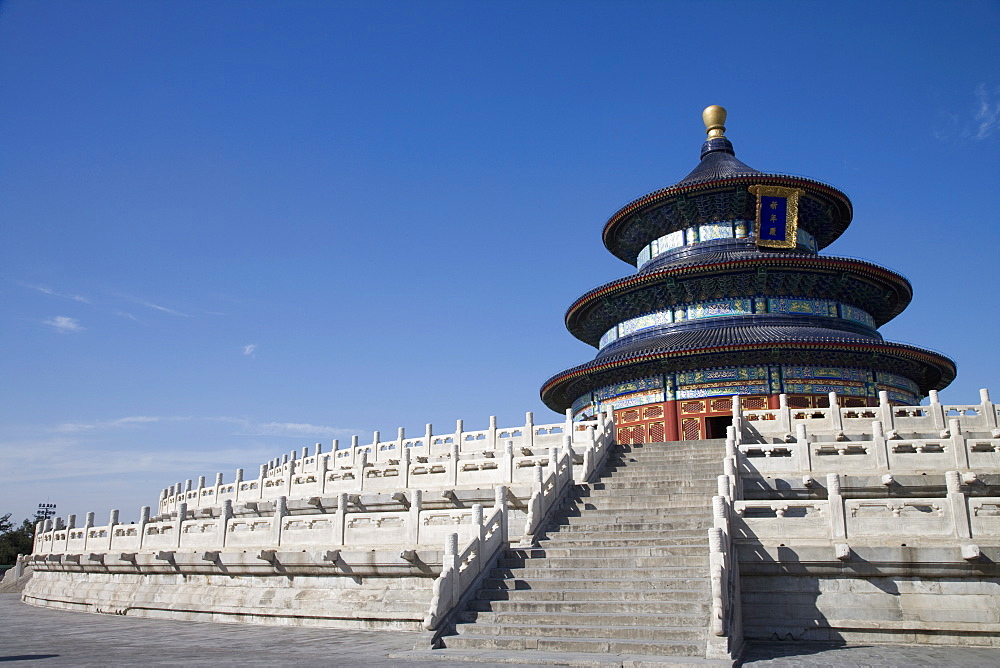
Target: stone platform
45,637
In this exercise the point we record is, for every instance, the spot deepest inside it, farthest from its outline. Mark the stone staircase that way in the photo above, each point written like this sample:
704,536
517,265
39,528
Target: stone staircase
623,572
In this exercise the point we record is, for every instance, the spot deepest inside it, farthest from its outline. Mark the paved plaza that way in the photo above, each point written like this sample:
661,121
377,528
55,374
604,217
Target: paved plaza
40,637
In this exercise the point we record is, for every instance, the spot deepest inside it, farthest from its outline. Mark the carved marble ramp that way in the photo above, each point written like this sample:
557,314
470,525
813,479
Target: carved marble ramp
622,578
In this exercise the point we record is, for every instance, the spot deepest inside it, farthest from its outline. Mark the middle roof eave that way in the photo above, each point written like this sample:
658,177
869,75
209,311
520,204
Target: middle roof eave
601,308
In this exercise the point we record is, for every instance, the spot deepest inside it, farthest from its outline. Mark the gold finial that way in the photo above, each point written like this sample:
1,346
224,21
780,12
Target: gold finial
715,119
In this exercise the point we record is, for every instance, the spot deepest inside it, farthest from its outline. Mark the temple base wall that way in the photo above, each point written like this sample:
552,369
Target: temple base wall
911,609
337,601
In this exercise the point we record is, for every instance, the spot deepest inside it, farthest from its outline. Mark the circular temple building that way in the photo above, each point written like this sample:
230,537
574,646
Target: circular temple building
732,297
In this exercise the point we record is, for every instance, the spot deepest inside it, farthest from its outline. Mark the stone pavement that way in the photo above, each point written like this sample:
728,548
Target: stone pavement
39,636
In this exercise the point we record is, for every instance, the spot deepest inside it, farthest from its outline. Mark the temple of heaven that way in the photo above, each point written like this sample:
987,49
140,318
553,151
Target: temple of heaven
732,297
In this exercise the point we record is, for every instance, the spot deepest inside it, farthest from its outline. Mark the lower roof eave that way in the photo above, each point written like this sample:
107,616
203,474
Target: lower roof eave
935,371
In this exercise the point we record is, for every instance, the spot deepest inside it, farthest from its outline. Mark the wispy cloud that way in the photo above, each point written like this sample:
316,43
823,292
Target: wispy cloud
241,426
131,421
165,309
987,114
64,324
123,314
46,290
979,123
249,349
294,429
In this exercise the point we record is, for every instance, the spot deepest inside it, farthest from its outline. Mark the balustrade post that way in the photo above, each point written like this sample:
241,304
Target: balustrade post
959,445
455,454
354,449
459,432
428,437
835,501
730,469
359,472
880,445
88,524
143,521
568,426
323,466
182,509
280,511
374,454
479,531
404,463
936,410
885,410
554,460
529,429
340,521
836,417
725,489
70,525
400,436
39,530
413,519
539,478
508,462
491,434
260,481
112,523
500,501
720,515
450,562
227,514
805,449
784,413
989,409
959,507
218,484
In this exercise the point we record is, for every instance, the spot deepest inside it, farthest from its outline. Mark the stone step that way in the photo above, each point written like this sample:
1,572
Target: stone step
696,567
659,648
698,608
598,510
562,537
652,486
644,487
558,540
699,591
555,555
689,556
573,629
693,459
628,525
554,623
691,502
572,582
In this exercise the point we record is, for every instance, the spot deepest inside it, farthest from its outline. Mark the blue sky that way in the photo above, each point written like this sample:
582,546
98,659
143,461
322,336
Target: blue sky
232,229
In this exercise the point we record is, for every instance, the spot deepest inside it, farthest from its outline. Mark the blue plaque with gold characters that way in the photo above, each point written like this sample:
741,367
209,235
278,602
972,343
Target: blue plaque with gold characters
777,215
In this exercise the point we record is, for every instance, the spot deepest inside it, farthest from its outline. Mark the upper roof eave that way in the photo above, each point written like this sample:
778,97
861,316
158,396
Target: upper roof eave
620,218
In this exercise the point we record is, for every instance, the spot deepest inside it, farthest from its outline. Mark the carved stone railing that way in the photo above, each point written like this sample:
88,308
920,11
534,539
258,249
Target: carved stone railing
457,584
726,627
956,516
781,424
398,517
834,442
462,570
462,459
